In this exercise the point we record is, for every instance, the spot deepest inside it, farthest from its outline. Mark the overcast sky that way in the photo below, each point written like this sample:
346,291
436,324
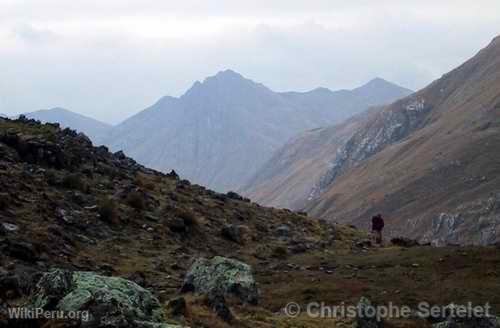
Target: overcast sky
111,58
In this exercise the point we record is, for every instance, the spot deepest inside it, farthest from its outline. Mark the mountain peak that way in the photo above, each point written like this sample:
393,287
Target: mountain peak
223,80
379,83
228,73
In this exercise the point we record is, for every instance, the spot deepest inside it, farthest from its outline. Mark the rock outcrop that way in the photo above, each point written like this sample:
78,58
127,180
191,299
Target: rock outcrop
222,276
110,301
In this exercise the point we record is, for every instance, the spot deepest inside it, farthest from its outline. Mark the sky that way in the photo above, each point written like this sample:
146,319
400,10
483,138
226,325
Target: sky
109,59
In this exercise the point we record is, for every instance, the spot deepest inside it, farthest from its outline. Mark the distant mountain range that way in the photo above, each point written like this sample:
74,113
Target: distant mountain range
223,129
430,163
94,129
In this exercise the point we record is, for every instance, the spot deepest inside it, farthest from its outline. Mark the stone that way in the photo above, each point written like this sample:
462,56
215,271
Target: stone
233,195
137,277
9,227
222,276
218,304
110,301
177,225
404,242
21,250
366,243
177,306
283,231
235,233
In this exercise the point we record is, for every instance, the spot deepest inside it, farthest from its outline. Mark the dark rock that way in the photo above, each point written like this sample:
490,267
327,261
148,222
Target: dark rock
233,195
218,304
283,231
137,277
177,225
177,306
5,200
404,242
365,243
235,233
21,250
173,175
298,249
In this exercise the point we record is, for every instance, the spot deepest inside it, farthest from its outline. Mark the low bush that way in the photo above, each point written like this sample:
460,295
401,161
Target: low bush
108,211
136,200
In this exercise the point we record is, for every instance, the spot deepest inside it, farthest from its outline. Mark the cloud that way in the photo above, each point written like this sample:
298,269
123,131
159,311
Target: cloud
111,59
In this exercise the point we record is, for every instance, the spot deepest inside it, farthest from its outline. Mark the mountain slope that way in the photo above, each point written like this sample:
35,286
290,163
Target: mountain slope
429,162
66,205
288,178
91,127
223,129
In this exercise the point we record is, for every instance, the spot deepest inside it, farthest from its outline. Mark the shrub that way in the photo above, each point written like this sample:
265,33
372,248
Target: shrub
107,210
74,181
136,200
187,215
145,182
4,201
280,252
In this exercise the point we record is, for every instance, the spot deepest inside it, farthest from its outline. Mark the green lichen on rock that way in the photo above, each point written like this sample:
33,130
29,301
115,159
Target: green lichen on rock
110,301
222,276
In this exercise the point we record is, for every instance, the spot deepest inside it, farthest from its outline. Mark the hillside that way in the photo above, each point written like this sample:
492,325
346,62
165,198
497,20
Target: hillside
428,162
68,205
95,129
287,179
223,129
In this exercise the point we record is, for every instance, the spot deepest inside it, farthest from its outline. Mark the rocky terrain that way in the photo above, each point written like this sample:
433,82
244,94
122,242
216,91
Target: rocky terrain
289,177
428,162
83,229
223,129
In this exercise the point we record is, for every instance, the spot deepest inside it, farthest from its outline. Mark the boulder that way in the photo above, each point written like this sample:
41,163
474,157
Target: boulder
404,242
222,276
177,225
233,195
283,231
110,301
235,232
365,318
21,250
365,243
177,306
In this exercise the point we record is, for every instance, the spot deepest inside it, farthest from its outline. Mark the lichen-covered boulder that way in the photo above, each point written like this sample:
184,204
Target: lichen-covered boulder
108,301
222,276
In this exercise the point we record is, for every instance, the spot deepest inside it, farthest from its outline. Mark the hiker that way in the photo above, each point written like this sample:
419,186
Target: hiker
377,227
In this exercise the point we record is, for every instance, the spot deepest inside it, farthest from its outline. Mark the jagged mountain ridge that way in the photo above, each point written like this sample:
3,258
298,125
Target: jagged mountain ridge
287,179
223,129
93,128
428,162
